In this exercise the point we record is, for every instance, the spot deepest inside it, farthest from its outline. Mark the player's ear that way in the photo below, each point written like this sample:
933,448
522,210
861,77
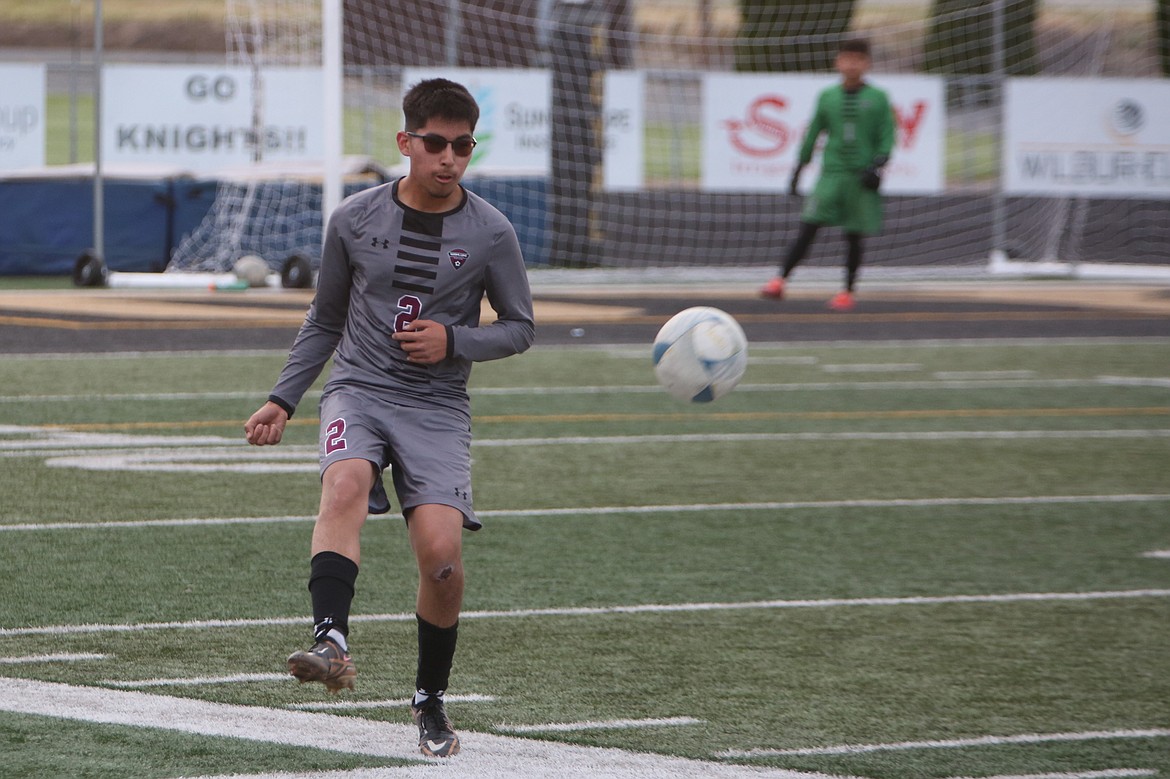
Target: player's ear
403,143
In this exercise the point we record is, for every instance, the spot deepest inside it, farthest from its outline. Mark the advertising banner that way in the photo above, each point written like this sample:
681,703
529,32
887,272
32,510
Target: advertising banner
22,116
513,128
1091,137
623,111
205,119
515,131
753,125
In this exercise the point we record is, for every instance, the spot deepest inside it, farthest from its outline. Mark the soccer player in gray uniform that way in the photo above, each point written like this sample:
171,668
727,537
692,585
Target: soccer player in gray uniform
404,269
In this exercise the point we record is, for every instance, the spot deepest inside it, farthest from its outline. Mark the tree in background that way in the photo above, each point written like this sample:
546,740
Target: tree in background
961,42
790,35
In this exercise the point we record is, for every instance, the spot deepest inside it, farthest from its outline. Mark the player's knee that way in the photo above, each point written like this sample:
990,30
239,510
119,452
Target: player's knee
443,571
343,493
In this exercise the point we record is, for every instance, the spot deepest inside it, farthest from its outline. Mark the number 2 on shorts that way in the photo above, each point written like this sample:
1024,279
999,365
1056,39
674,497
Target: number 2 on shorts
335,436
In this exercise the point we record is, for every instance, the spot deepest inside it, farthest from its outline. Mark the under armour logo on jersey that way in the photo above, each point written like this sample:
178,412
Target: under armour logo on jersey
383,242
458,257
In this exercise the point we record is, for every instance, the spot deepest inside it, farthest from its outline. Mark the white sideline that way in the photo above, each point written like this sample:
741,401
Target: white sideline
484,755
593,611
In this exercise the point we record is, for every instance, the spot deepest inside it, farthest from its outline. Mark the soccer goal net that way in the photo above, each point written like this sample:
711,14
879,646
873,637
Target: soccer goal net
662,134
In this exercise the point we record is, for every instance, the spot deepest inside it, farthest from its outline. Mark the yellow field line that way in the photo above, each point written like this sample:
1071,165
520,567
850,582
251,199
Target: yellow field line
725,416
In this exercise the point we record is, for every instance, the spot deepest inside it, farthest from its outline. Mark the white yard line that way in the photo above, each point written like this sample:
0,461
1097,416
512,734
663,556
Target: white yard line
60,657
958,743
484,755
617,724
1109,773
877,367
954,380
108,451
592,611
594,511
398,703
983,375
192,681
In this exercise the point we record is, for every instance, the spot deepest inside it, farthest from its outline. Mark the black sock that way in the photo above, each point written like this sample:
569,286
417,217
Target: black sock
804,239
852,259
331,586
436,650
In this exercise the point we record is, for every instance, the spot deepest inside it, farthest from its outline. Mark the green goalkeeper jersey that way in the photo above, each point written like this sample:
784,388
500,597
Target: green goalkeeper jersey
860,125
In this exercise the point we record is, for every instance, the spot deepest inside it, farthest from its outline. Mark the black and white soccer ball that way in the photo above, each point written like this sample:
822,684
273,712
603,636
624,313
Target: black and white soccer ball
700,354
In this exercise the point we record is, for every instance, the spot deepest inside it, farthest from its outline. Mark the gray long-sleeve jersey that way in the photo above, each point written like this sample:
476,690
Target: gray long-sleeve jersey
385,264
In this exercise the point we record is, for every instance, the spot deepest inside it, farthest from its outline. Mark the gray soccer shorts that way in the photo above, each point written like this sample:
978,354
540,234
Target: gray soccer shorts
428,450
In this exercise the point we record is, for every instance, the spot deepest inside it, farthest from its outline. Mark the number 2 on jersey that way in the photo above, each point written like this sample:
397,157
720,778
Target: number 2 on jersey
410,308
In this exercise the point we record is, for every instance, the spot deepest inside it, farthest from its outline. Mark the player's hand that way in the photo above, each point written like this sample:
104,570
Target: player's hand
871,177
266,426
792,185
424,341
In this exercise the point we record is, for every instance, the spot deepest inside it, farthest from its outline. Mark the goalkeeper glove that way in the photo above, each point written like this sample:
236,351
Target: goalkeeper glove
871,178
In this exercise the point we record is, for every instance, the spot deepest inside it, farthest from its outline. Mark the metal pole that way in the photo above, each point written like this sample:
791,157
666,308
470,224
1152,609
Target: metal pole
99,212
74,67
454,31
999,229
333,68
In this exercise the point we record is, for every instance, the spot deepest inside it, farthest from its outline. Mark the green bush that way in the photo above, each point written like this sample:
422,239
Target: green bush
960,40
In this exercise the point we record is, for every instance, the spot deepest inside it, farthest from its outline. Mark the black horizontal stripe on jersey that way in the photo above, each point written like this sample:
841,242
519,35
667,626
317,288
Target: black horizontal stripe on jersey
406,286
422,223
420,273
428,259
419,243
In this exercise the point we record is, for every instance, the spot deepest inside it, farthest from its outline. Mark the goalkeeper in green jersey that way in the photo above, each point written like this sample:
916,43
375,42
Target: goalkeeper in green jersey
859,122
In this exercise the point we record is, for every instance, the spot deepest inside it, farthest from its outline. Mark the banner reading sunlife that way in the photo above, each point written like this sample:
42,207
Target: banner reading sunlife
22,116
514,130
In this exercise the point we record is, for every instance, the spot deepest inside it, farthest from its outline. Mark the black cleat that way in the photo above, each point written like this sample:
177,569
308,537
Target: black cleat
436,734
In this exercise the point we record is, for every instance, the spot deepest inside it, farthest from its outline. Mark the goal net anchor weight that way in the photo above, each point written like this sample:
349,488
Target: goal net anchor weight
90,270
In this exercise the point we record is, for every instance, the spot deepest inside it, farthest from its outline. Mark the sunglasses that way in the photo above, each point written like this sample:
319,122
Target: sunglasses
435,144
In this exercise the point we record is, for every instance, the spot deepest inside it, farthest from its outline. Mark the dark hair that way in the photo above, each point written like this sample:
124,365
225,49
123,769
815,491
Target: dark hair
856,45
441,98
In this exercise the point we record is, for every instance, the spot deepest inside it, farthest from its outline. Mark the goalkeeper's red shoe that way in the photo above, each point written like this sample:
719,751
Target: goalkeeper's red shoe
773,290
842,301
327,663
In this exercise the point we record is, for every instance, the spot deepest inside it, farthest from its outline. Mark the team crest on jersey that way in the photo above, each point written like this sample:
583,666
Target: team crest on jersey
458,257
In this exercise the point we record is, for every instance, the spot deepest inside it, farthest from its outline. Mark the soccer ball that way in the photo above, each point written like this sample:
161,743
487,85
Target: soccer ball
700,354
251,269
